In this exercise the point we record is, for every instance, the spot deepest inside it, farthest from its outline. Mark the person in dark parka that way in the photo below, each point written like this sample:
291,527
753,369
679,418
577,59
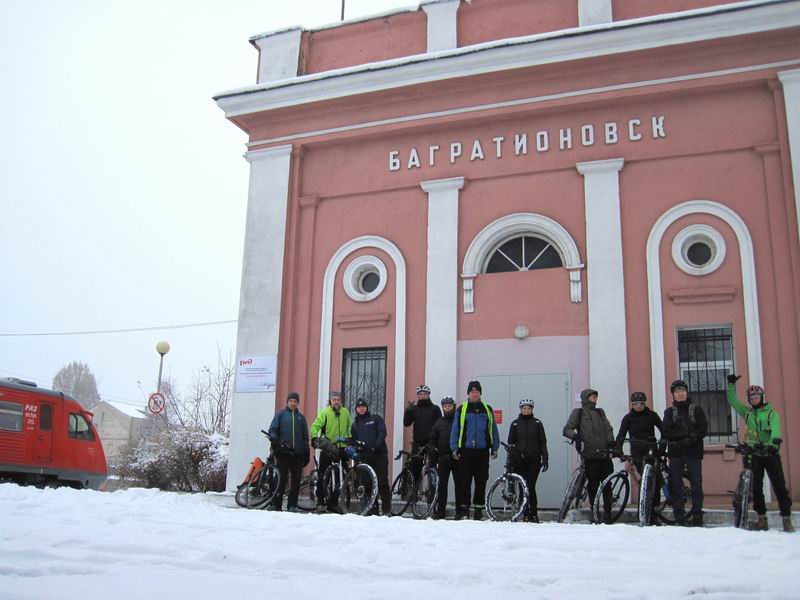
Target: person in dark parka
685,425
421,416
288,433
371,430
439,444
527,435
639,425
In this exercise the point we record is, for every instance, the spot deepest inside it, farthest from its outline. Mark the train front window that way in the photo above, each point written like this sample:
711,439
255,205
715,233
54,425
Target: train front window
79,428
10,416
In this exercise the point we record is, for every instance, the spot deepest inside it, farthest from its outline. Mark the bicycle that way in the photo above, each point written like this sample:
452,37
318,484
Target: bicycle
508,496
744,489
426,488
355,487
619,487
576,492
307,498
403,486
261,482
655,475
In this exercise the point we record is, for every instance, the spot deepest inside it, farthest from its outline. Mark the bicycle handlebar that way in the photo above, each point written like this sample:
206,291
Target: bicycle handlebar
757,450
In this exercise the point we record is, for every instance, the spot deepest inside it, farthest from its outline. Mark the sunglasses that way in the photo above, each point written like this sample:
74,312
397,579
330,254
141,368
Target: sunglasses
639,403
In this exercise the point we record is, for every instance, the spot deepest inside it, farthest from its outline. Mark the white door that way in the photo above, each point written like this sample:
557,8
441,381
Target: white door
551,394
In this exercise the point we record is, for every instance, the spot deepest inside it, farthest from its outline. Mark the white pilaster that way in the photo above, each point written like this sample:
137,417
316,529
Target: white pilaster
441,335
594,12
278,55
259,299
791,96
608,356
442,24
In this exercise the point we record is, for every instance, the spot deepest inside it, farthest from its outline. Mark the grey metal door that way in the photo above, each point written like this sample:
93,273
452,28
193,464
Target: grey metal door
551,393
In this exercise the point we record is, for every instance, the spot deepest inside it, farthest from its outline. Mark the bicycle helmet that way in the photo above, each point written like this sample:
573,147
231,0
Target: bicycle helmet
678,383
423,388
638,397
448,400
526,402
755,390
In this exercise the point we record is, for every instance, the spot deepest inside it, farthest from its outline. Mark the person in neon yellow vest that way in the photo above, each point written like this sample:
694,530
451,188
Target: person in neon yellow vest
473,438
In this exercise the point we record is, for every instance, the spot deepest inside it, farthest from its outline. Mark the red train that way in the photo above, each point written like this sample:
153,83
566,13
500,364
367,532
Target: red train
47,438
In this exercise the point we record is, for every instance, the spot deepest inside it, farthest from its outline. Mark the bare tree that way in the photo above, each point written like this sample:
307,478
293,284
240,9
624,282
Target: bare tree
77,380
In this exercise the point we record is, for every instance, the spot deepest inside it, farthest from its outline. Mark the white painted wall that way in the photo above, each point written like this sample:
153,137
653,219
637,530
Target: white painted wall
608,354
259,299
441,312
791,96
279,54
594,12
442,24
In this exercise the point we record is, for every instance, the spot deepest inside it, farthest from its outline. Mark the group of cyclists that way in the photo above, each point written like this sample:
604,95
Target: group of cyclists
461,440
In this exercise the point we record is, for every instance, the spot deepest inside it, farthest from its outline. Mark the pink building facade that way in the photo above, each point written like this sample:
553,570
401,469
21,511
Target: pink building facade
545,195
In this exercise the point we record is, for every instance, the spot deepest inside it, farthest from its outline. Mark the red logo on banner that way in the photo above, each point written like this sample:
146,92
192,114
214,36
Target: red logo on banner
498,416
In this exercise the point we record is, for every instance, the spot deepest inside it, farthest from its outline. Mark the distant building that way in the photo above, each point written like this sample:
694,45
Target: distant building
118,425
544,195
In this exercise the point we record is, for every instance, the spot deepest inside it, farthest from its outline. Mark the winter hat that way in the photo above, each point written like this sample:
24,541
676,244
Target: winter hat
293,396
448,400
334,394
362,402
474,385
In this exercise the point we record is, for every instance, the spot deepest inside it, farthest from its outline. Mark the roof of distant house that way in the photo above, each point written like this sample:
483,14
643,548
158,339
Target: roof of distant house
129,409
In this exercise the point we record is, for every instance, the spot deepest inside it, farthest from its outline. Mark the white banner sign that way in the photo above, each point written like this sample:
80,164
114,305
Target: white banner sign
256,373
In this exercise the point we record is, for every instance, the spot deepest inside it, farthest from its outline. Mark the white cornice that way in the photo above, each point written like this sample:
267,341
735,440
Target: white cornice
570,44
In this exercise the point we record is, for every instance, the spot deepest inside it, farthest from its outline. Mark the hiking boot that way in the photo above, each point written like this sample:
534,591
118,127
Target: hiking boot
335,509
292,509
787,524
697,520
438,515
478,515
460,515
760,524
272,508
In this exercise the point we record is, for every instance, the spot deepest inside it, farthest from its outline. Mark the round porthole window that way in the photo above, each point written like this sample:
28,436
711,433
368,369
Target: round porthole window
698,249
365,278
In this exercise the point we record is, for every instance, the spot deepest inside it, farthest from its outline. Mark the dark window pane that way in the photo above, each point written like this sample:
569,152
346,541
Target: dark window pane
500,264
10,416
699,254
548,260
513,250
46,417
364,376
370,282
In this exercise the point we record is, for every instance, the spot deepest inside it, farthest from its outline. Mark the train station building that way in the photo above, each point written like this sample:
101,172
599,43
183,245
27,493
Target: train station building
544,195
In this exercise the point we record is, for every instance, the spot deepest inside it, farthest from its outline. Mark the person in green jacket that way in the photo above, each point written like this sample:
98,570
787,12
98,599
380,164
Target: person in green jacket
763,430
332,422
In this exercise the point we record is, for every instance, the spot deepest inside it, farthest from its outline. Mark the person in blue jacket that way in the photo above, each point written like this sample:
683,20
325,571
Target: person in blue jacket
371,430
473,438
288,434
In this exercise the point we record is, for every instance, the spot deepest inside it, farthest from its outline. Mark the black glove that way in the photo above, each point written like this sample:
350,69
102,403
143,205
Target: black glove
494,453
773,450
306,460
732,379
315,443
545,466
456,455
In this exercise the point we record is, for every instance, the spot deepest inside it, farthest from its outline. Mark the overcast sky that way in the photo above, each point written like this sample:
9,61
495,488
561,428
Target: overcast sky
122,187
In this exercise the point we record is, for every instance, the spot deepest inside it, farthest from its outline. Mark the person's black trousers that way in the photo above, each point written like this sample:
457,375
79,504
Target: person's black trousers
288,465
772,465
597,469
695,470
530,472
445,467
380,464
472,466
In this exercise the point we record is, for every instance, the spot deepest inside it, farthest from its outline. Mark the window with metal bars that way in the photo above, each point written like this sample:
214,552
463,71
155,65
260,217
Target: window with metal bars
364,376
705,358
524,253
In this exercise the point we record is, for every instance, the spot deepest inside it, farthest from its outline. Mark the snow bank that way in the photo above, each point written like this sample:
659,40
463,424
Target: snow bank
148,544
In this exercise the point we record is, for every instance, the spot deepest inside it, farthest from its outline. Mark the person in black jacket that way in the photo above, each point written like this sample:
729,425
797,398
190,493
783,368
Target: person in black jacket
527,436
439,445
288,433
639,425
685,425
421,414
371,430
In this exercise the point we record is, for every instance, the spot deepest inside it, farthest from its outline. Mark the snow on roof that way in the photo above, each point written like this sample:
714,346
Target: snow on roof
128,409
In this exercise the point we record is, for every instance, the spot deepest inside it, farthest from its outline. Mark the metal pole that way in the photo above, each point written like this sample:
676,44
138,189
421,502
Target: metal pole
160,367
342,10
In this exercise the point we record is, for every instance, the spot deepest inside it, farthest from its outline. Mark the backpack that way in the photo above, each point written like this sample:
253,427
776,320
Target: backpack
692,411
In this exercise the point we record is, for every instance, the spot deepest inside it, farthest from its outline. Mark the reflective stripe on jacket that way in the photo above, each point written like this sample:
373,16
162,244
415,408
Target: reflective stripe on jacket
474,429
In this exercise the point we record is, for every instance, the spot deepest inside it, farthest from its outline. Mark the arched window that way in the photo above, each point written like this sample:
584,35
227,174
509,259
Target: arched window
523,253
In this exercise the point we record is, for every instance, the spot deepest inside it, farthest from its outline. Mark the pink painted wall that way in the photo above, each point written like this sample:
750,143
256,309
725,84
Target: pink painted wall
378,39
489,20
633,9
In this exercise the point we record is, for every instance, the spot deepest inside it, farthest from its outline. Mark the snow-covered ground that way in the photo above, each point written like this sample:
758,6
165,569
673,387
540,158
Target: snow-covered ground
148,544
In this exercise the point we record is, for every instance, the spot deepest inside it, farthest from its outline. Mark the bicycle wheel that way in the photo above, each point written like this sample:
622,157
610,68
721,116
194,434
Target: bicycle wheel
263,489
331,485
402,492
620,489
507,498
570,493
358,491
425,494
741,500
647,489
307,500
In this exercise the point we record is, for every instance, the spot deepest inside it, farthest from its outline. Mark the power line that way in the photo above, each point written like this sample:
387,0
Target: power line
129,330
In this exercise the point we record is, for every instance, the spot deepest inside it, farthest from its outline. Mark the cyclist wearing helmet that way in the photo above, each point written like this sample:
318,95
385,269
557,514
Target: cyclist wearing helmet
371,430
421,414
527,435
686,425
639,425
763,429
473,439
589,428
439,444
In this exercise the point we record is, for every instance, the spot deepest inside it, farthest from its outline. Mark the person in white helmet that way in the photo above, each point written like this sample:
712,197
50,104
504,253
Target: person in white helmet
526,434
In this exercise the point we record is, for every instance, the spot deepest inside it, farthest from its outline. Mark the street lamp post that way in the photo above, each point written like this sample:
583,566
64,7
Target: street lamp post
162,348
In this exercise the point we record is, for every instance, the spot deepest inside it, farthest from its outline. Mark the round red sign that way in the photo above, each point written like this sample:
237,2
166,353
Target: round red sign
156,403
